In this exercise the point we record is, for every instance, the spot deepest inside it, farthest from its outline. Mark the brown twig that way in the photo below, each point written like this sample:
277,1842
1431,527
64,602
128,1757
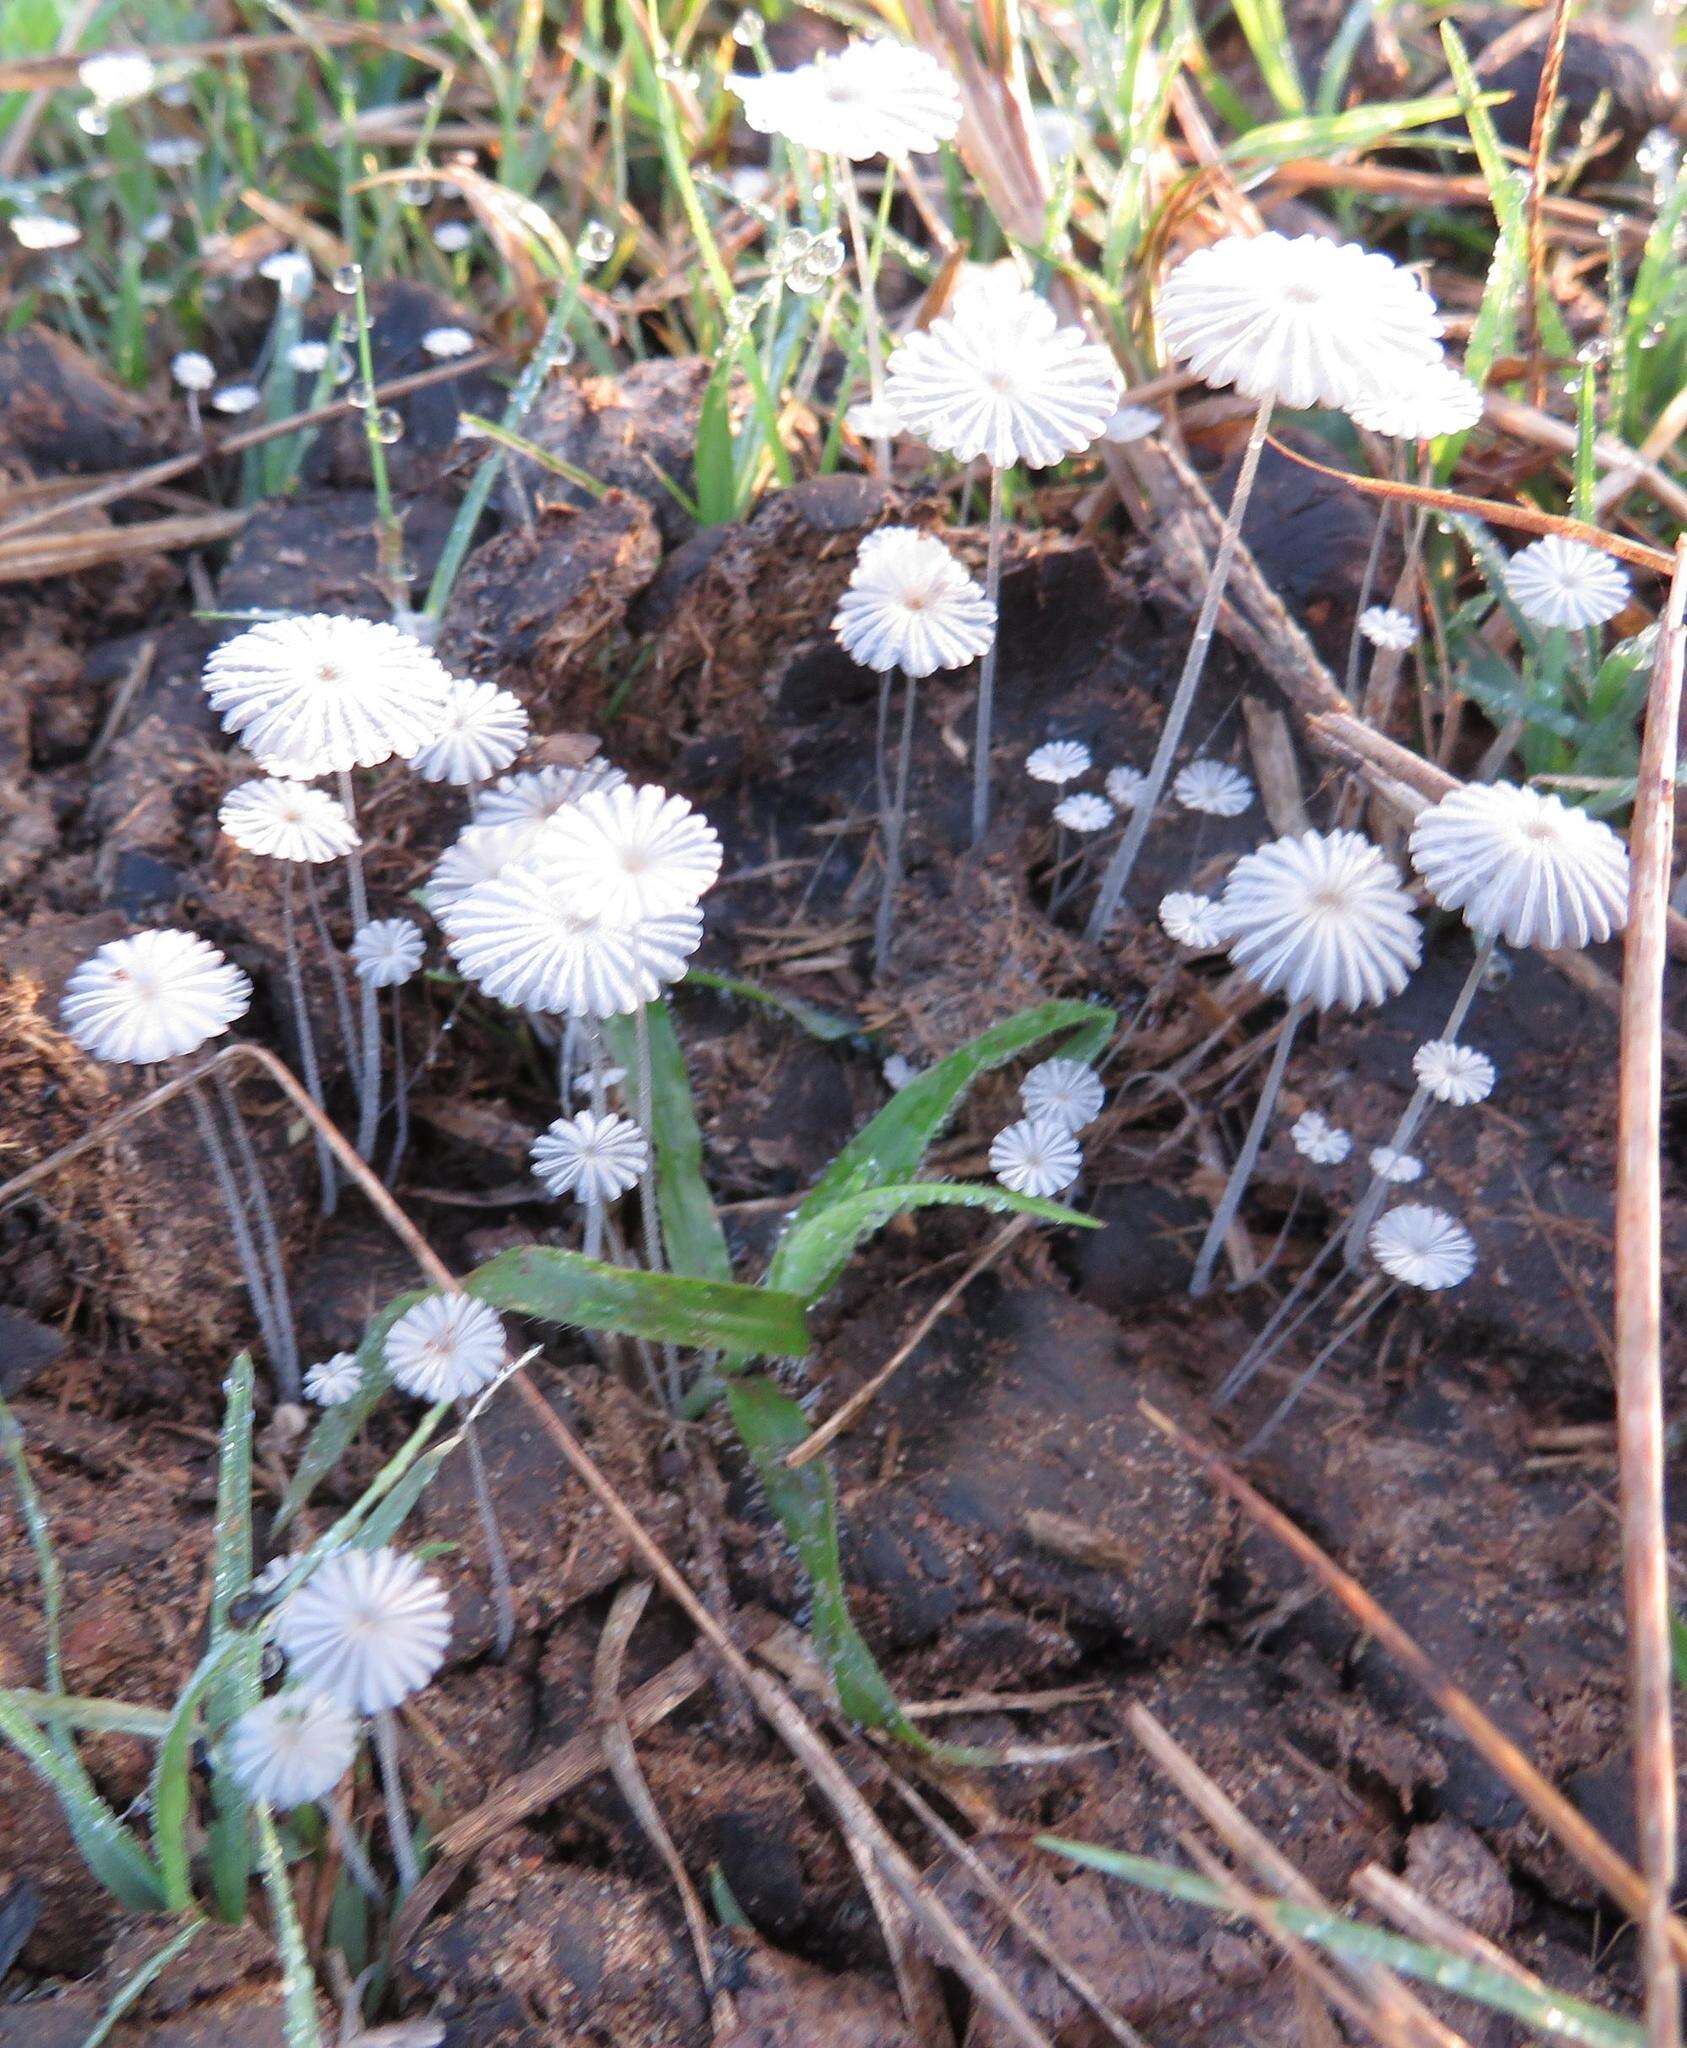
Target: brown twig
1540,129
616,1737
1524,517
863,1397
1398,2010
1613,1872
1639,1316
112,489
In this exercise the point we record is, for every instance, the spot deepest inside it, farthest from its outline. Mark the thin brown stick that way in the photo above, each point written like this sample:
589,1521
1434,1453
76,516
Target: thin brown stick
1523,517
1549,1806
34,74
1398,2009
864,1397
1023,1924
110,490
67,554
1540,127
617,1740
1638,1319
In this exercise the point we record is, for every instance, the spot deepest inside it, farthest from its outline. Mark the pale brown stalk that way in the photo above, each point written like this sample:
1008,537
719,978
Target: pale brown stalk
864,1397
1540,131
1638,1318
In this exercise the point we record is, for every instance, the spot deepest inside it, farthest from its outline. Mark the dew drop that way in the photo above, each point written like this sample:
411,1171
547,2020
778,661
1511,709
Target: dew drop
347,279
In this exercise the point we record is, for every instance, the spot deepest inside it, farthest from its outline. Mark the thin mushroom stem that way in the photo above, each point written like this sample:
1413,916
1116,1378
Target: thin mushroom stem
246,1251
1242,1172
869,301
1368,579
400,1089
1119,868
352,1853
596,1211
369,1016
497,1558
392,1790
1351,1328
896,825
1280,1327
336,973
987,667
269,1239
1365,1212
306,1037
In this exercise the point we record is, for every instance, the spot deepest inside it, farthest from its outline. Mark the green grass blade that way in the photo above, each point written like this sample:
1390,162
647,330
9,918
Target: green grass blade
172,1775
806,1502
96,1716
238,1685
1554,2013
331,1438
388,1517
824,1025
526,389
815,1250
671,1308
1267,31
110,1851
691,1230
138,1981
298,1986
1355,129
40,1533
890,1148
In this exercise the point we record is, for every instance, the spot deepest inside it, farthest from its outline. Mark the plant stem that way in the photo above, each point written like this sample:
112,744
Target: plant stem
1365,1211
400,1089
1242,1172
896,824
205,1120
352,1852
307,1038
1638,1320
269,1238
1125,854
336,973
869,301
1350,1328
392,1789
987,667
369,1015
497,1558
389,528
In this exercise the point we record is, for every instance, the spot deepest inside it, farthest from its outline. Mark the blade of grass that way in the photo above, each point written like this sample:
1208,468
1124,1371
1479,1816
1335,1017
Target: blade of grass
238,1686
709,1315
891,1147
110,1851
1566,2018
40,1533
138,1981
331,1438
815,1250
691,1230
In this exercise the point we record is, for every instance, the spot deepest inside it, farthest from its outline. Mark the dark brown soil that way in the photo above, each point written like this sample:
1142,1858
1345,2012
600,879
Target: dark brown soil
1012,1523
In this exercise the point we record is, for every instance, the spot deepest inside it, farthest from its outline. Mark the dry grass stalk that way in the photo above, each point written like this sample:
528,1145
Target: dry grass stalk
29,513
1398,2010
1638,1318
616,1738
1540,135
65,554
864,1396
33,74
1611,1871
